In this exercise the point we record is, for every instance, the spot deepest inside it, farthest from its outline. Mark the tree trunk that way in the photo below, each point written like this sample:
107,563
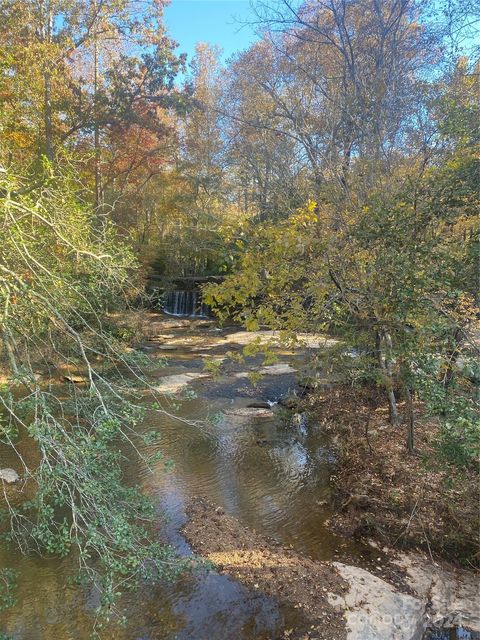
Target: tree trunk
392,405
46,37
384,355
410,422
98,171
8,342
452,356
47,116
96,131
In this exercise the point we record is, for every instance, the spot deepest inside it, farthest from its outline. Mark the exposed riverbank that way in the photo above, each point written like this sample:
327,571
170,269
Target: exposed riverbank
269,470
270,568
381,491
338,601
253,462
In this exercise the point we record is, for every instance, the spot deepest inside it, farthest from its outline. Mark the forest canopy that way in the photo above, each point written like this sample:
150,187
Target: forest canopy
330,173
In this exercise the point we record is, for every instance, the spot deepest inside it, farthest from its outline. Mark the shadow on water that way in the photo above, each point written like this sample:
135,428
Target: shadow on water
456,633
271,474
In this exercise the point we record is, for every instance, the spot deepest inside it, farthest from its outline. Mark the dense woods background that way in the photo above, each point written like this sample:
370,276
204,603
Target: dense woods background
330,172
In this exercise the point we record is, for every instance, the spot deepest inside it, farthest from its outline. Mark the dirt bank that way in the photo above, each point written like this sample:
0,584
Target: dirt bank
291,578
336,601
383,492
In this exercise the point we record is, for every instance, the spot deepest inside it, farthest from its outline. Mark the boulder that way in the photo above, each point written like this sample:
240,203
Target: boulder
245,412
10,476
453,595
375,610
443,598
175,383
75,379
279,369
259,404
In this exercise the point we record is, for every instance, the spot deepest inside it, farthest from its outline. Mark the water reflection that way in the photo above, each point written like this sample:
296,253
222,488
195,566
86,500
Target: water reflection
199,606
268,473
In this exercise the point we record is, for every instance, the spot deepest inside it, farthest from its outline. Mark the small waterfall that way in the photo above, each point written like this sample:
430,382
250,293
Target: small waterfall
185,303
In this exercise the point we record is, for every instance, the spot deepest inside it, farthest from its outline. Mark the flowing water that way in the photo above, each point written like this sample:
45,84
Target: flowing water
185,303
273,474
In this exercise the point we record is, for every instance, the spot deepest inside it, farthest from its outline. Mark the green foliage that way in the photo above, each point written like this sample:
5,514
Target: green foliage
456,404
392,271
7,588
62,275
339,189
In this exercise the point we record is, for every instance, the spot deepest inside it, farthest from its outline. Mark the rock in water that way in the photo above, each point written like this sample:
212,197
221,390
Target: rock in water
74,379
259,404
244,412
10,476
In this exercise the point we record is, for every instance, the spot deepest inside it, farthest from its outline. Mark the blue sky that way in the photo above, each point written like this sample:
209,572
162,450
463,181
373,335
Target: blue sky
213,21
218,22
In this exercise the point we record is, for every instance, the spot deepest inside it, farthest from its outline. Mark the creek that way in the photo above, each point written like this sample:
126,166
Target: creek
270,470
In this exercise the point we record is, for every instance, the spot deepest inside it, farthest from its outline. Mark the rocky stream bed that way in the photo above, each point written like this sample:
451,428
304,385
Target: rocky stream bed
251,492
